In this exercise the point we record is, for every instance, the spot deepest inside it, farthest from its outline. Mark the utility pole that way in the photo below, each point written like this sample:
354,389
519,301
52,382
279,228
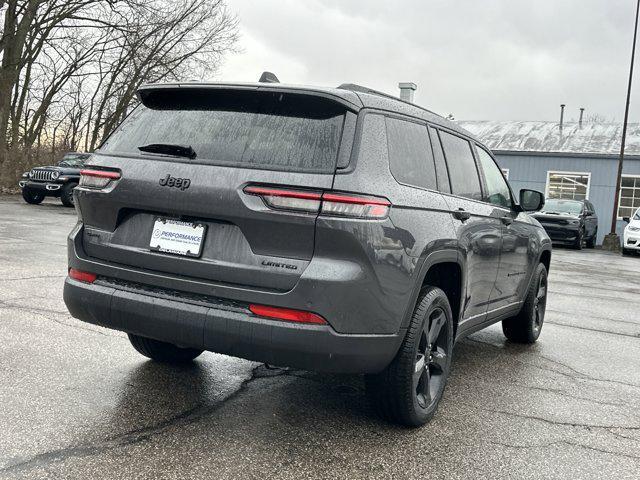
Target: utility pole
611,241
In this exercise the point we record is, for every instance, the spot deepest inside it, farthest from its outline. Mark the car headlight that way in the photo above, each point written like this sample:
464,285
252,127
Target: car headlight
32,173
633,229
574,222
55,175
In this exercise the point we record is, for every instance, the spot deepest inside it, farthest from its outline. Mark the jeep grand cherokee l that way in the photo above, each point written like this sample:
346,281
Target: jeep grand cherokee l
330,229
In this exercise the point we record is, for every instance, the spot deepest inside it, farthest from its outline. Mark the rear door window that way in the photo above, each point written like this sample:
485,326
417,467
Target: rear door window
441,166
463,172
275,131
410,155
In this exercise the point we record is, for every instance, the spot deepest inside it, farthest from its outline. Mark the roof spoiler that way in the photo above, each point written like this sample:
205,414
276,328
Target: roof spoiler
154,95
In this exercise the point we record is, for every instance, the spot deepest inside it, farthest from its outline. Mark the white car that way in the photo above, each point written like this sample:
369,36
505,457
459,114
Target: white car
631,237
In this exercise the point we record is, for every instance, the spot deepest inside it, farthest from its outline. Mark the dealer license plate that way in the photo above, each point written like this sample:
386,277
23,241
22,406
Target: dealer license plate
180,238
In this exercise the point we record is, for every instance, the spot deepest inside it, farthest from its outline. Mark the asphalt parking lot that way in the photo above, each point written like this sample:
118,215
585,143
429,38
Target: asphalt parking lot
76,401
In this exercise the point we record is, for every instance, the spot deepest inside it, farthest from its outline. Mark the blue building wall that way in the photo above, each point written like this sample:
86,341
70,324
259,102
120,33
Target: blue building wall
529,170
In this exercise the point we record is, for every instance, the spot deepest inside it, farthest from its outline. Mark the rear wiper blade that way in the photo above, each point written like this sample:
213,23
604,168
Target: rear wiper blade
169,149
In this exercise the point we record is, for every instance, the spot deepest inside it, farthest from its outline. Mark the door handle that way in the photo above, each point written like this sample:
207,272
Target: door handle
461,214
506,220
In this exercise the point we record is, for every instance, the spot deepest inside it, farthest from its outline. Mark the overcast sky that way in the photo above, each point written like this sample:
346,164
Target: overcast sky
477,59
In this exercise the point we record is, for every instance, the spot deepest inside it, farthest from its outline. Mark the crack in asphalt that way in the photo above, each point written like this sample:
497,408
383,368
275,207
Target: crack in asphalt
43,313
584,315
559,423
562,442
37,277
637,440
31,241
597,287
139,435
593,295
579,375
608,332
569,395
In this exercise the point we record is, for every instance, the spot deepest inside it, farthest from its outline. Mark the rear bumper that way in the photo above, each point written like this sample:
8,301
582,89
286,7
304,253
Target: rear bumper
229,329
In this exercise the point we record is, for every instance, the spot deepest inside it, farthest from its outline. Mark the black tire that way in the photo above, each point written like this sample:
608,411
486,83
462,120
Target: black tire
525,327
66,194
32,197
591,242
409,390
626,252
578,243
162,351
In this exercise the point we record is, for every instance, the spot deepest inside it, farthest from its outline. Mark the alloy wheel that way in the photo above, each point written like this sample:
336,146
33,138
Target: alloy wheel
540,303
431,358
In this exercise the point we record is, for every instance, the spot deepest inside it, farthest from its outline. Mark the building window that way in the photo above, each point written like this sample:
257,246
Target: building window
505,172
568,185
629,195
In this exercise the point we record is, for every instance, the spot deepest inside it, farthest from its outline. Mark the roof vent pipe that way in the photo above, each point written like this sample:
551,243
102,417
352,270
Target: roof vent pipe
406,91
561,115
581,115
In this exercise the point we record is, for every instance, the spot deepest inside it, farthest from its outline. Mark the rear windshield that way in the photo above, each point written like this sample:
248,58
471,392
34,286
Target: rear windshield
73,160
267,130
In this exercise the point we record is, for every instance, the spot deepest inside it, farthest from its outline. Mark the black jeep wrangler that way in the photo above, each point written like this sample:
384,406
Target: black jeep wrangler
54,181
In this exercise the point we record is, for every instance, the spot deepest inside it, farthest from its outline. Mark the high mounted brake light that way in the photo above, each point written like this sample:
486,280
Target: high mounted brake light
97,178
328,203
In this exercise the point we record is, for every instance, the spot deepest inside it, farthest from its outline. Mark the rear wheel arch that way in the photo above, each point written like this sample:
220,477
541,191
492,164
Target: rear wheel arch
443,270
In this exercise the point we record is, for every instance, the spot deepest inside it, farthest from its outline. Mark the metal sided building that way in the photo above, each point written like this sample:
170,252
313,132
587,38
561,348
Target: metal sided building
576,161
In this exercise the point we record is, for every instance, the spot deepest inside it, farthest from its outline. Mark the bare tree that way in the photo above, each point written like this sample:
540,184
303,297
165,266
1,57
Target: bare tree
70,68
160,43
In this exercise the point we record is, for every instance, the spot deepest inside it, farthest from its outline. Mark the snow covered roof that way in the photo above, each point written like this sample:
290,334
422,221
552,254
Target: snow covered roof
595,138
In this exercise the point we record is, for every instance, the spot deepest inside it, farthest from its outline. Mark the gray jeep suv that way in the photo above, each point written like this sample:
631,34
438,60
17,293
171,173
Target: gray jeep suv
330,229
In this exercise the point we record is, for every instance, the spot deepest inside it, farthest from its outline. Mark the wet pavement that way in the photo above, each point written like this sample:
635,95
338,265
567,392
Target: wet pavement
76,401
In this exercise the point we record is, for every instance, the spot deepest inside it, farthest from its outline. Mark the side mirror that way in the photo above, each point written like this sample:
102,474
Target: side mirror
531,200
626,219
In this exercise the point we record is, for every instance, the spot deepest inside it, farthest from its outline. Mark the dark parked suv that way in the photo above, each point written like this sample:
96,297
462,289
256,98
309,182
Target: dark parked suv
53,181
569,222
330,229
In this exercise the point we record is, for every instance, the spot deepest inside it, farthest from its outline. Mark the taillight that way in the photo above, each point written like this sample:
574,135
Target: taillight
97,178
359,206
328,203
287,314
81,276
285,199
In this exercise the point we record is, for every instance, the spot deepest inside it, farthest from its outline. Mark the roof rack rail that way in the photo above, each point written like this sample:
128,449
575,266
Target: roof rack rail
359,88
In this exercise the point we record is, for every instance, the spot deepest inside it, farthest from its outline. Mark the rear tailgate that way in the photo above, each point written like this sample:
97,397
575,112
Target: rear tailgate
241,138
